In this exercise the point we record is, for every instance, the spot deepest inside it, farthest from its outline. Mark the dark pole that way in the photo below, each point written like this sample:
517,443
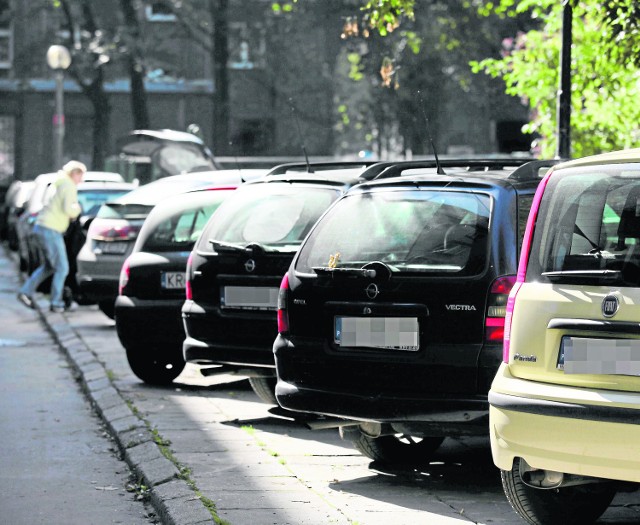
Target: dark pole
564,92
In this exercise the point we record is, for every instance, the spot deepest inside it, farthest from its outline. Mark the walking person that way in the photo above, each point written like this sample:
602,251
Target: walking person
51,224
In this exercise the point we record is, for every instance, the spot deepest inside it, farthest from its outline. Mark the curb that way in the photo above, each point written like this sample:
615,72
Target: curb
173,499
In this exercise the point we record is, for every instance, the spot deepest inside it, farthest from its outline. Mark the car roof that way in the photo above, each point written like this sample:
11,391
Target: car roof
106,185
337,173
152,193
614,157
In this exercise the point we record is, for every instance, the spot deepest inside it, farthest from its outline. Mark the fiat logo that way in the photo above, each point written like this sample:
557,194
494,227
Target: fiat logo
250,265
372,291
610,305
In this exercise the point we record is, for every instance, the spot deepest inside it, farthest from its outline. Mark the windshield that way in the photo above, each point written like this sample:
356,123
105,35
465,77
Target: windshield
589,227
440,232
276,215
91,200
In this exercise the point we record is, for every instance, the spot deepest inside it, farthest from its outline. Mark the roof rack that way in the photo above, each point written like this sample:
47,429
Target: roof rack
395,169
282,169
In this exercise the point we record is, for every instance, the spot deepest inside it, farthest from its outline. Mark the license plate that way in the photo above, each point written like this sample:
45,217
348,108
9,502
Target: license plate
173,280
249,298
583,355
112,248
391,333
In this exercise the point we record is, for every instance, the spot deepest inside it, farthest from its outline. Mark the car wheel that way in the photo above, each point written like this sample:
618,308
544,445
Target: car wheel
156,366
108,308
265,388
399,449
578,504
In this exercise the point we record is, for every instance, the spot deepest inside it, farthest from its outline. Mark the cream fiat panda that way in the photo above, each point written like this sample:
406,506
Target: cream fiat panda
565,403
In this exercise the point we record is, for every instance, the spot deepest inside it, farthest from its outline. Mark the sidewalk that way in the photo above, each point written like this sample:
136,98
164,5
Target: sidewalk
172,497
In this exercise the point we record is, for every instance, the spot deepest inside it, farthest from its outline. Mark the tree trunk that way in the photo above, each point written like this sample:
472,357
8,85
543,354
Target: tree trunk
220,57
136,67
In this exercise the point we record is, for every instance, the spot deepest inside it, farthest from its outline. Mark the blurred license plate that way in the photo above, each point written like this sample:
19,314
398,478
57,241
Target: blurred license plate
392,333
583,355
172,280
113,248
249,298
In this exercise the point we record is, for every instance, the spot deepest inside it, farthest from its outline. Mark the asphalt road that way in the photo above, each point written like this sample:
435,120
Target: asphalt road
222,448
58,464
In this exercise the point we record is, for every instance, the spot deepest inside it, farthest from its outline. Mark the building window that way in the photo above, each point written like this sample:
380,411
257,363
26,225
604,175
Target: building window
7,146
159,12
247,47
6,35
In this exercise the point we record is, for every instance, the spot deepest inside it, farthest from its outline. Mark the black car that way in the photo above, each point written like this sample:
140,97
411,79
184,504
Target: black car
152,284
391,316
112,235
236,267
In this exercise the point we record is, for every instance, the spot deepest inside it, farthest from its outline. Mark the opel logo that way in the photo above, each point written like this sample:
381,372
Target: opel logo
610,305
250,265
372,291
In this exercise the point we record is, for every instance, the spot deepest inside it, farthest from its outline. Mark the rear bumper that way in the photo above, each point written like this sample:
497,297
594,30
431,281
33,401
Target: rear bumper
565,429
97,289
431,415
149,322
212,338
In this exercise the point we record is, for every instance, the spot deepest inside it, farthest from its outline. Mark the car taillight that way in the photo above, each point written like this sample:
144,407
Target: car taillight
283,316
511,301
125,273
522,266
497,308
112,230
188,288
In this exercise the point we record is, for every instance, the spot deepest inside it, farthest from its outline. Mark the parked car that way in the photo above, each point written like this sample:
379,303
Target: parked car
17,196
152,284
154,154
565,402
112,234
236,267
391,315
105,185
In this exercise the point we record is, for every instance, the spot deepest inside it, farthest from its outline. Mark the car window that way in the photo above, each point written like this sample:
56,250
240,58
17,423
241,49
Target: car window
181,230
524,207
440,232
275,215
589,222
90,201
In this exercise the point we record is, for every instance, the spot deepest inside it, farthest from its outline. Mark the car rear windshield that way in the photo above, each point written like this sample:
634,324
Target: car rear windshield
180,229
274,215
114,210
588,228
413,231
90,201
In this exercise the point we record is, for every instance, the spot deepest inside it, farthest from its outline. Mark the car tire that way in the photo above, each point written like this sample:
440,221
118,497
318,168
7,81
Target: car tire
265,388
399,449
108,308
575,505
156,366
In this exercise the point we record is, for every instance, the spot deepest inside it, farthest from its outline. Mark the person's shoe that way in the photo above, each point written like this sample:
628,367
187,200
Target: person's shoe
26,300
71,307
56,309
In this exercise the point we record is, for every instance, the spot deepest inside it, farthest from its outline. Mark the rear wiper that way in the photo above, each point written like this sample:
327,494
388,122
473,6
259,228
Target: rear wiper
583,274
221,246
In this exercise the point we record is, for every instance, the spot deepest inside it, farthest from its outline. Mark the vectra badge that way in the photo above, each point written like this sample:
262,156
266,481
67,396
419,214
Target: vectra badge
372,291
250,265
610,305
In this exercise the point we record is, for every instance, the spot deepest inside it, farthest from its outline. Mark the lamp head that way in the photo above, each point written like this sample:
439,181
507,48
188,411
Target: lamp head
58,57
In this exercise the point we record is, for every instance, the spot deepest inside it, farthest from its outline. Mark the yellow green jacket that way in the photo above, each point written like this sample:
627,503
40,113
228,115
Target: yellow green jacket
62,207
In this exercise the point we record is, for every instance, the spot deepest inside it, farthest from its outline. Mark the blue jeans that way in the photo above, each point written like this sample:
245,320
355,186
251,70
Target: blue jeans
55,263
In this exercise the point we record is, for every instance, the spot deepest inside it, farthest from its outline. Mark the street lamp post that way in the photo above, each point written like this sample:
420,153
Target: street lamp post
58,59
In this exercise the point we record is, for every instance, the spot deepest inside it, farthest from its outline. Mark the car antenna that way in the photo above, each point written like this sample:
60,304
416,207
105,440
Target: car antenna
439,169
304,149
235,158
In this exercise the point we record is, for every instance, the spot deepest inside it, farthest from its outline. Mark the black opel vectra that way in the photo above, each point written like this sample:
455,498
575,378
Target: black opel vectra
235,269
391,315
